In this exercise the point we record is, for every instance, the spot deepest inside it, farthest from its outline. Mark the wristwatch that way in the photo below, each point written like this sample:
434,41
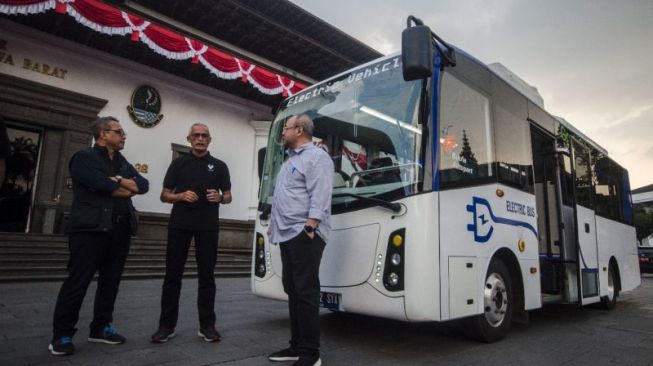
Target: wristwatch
221,198
118,179
309,229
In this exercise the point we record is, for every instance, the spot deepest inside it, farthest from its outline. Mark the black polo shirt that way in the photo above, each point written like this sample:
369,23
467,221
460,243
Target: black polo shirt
190,172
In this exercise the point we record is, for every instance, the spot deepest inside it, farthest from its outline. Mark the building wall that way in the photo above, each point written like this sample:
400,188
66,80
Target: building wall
235,123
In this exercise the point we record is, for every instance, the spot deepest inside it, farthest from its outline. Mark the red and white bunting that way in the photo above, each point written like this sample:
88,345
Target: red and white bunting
109,20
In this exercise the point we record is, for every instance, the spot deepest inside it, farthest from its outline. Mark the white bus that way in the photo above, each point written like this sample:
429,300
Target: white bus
456,195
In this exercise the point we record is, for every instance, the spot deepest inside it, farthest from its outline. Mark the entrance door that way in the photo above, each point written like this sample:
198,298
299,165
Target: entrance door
548,211
17,192
586,219
556,219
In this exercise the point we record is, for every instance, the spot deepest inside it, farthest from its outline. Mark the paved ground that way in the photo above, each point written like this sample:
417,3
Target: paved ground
254,327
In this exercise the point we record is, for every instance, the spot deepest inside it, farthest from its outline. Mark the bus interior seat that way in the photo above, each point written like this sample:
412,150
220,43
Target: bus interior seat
381,177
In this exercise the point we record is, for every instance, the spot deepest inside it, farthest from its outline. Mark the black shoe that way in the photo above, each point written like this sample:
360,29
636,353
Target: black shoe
107,335
287,354
308,361
62,346
209,334
162,335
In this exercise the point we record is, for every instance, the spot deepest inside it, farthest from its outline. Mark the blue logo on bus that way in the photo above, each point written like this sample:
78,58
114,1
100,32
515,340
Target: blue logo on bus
484,219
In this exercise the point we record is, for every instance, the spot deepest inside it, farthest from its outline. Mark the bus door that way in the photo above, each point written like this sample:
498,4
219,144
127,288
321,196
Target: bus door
547,190
587,250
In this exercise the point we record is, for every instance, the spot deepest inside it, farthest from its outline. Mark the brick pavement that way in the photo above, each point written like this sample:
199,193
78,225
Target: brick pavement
253,327
248,325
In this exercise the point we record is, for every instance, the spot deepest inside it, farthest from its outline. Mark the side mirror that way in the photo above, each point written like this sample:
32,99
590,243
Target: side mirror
416,52
261,161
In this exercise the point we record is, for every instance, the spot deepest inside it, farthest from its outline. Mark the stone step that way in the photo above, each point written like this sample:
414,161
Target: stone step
129,270
15,256
34,246
130,267
35,257
40,262
14,250
125,276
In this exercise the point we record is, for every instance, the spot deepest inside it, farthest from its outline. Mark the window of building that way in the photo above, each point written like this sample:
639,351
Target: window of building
465,136
179,150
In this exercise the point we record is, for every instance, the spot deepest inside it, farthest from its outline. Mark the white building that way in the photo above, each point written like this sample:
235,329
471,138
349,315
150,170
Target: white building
59,70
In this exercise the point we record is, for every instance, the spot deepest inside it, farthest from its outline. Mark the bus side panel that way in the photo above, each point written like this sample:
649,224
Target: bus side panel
422,285
476,222
617,240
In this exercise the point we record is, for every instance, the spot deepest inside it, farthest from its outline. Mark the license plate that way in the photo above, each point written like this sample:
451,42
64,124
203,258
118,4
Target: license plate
330,300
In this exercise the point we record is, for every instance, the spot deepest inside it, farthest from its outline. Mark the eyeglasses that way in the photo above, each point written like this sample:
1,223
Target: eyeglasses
198,135
289,127
119,132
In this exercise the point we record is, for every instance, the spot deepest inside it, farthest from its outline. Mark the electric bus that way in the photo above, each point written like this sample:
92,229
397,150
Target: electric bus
455,195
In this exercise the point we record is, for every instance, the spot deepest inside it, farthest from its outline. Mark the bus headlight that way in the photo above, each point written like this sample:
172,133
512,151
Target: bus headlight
393,279
394,263
259,256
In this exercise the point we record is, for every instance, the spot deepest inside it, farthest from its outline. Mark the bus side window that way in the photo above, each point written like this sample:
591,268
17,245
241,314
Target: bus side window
465,136
583,176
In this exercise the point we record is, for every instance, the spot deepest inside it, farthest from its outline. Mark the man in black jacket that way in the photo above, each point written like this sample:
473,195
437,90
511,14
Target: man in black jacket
102,219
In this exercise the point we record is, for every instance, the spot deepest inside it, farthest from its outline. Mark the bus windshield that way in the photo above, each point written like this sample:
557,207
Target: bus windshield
367,120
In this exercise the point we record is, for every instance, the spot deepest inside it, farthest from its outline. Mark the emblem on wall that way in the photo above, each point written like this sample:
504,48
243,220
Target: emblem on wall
145,106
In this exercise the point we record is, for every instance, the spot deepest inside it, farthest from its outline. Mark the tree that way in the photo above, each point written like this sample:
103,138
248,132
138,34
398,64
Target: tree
467,153
643,223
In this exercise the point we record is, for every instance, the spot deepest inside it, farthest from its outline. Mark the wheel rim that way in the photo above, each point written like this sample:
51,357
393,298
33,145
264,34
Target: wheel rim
495,300
610,285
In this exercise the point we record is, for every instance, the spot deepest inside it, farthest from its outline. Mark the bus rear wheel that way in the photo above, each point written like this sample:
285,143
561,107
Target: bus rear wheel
498,302
610,300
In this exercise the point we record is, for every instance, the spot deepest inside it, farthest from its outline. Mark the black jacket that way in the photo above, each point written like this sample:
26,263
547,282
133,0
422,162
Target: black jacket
92,206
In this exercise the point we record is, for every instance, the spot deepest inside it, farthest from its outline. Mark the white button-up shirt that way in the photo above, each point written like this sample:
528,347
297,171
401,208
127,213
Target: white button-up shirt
303,190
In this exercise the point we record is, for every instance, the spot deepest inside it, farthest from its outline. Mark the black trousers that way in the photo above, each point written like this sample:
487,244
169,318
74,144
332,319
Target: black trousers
101,252
206,255
301,258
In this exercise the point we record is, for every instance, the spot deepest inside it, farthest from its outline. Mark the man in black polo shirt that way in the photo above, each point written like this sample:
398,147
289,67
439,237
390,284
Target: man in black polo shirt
102,218
196,184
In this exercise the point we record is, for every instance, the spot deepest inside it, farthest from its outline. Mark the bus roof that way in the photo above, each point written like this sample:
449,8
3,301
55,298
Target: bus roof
520,85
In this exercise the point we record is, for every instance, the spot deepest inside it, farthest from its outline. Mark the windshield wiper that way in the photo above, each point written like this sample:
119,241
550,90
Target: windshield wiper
395,207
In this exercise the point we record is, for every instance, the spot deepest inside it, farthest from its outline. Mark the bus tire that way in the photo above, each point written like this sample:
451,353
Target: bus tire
498,303
609,301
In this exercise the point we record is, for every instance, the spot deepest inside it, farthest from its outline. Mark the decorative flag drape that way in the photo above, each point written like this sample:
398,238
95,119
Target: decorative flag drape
109,20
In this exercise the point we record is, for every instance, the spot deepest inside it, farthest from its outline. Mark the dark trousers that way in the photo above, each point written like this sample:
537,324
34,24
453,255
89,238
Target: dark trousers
101,252
301,258
206,254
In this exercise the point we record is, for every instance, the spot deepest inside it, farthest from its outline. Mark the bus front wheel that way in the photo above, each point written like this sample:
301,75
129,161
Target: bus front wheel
498,301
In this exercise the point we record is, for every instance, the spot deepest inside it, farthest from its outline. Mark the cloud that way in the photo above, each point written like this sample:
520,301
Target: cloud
629,142
589,59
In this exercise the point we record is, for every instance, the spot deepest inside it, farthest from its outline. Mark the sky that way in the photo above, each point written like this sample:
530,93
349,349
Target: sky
591,60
